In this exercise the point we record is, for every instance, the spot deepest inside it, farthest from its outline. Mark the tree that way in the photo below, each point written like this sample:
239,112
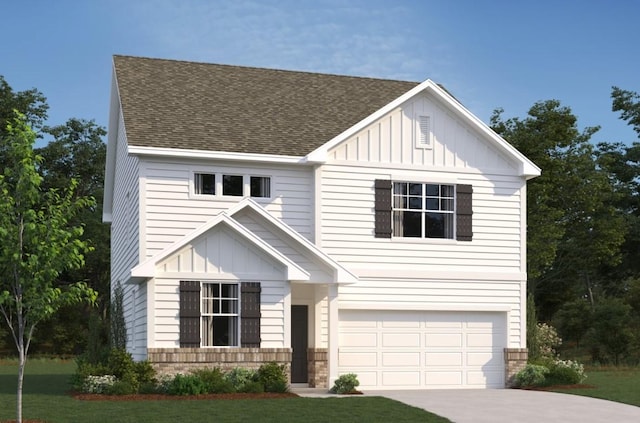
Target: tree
573,226
628,103
38,244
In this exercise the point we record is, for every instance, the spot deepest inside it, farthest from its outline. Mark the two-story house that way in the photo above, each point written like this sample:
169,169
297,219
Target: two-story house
335,224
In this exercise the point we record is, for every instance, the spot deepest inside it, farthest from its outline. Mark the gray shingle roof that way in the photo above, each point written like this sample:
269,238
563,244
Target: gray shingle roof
175,104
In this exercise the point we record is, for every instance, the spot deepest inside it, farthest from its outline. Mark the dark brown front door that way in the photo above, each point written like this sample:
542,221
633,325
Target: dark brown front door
299,343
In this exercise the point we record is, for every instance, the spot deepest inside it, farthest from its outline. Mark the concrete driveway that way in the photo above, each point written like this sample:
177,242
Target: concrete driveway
514,406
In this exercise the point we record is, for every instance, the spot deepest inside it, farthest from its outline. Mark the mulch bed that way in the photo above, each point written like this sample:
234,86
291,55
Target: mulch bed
549,388
160,397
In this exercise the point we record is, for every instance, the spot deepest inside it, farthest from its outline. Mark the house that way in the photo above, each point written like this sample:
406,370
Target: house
334,224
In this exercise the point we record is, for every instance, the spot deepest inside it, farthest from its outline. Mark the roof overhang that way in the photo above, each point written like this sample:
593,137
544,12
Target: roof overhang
215,155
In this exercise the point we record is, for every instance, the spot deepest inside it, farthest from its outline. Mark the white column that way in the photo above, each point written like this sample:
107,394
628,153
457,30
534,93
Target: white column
333,333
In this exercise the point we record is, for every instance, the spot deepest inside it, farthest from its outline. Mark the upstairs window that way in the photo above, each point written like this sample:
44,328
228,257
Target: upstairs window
423,210
205,184
260,186
232,185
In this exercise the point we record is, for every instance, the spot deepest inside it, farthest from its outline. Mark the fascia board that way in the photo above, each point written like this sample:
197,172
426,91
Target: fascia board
112,145
216,155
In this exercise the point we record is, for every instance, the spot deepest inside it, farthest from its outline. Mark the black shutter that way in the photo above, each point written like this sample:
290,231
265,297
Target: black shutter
464,213
250,314
383,208
189,314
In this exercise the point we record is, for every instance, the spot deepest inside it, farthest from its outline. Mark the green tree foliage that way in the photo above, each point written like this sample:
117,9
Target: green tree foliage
38,244
612,319
628,104
573,226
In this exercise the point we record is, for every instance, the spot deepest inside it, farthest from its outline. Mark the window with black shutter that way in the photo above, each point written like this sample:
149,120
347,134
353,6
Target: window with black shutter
423,210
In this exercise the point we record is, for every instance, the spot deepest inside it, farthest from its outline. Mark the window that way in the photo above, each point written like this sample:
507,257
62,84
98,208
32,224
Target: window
220,304
205,184
423,210
228,185
232,185
260,186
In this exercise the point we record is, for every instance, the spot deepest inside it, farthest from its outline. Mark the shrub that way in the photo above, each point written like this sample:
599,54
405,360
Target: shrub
186,385
120,363
565,373
98,384
273,377
145,373
252,387
345,384
123,387
239,377
531,375
214,381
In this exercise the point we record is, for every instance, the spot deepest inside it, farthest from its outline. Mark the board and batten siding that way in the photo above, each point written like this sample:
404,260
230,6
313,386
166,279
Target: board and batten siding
170,210
485,274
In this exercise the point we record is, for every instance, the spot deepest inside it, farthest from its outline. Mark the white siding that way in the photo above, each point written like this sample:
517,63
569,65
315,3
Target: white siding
486,274
166,325
170,211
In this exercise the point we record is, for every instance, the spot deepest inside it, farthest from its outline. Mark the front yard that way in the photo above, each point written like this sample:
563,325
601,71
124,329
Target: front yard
46,398
620,385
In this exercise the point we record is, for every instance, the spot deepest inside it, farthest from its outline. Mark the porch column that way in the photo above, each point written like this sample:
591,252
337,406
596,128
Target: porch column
333,333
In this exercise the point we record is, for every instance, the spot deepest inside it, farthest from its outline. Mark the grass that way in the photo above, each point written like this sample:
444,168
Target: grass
620,385
46,398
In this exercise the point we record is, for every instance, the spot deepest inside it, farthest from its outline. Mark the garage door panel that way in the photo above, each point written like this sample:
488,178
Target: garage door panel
358,359
482,358
399,359
366,378
488,378
402,323
363,340
443,378
400,378
400,340
481,340
443,340
443,359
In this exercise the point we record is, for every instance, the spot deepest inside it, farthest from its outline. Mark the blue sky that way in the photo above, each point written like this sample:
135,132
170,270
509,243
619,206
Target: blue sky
489,54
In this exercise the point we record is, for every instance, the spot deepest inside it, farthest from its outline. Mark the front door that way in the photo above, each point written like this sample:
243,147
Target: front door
299,343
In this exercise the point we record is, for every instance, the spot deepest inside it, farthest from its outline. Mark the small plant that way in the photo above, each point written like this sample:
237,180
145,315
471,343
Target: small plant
567,372
214,381
345,384
531,375
273,377
98,384
186,385
239,377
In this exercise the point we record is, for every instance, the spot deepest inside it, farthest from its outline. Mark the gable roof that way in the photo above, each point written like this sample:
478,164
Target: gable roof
210,107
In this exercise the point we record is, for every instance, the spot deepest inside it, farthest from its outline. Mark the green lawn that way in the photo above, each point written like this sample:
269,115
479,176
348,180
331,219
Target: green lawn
620,385
47,382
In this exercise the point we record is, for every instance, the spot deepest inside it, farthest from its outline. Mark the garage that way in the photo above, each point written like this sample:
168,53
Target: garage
423,349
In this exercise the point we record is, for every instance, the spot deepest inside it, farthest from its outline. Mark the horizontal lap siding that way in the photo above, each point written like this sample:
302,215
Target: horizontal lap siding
437,295
170,211
347,224
167,307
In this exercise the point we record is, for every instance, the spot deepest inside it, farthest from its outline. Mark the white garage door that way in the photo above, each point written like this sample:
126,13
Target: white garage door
417,350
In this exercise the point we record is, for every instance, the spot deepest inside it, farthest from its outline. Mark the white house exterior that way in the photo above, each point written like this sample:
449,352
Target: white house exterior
332,223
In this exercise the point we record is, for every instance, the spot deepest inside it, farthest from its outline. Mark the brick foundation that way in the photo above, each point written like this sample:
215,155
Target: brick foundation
182,360
515,359
318,367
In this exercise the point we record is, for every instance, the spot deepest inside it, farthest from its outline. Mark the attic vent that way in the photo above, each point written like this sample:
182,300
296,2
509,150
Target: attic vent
423,132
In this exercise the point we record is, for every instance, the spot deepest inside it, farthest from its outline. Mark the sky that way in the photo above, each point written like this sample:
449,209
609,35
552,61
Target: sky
505,54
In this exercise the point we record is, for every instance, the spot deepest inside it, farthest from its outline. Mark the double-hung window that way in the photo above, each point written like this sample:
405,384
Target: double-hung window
423,210
220,314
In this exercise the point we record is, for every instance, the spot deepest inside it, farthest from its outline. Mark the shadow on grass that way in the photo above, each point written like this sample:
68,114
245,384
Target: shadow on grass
35,384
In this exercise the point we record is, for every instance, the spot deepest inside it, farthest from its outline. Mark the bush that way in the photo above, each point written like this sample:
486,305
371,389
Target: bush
186,385
214,381
252,387
145,373
531,375
239,377
120,363
345,384
98,384
565,373
123,387
273,377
